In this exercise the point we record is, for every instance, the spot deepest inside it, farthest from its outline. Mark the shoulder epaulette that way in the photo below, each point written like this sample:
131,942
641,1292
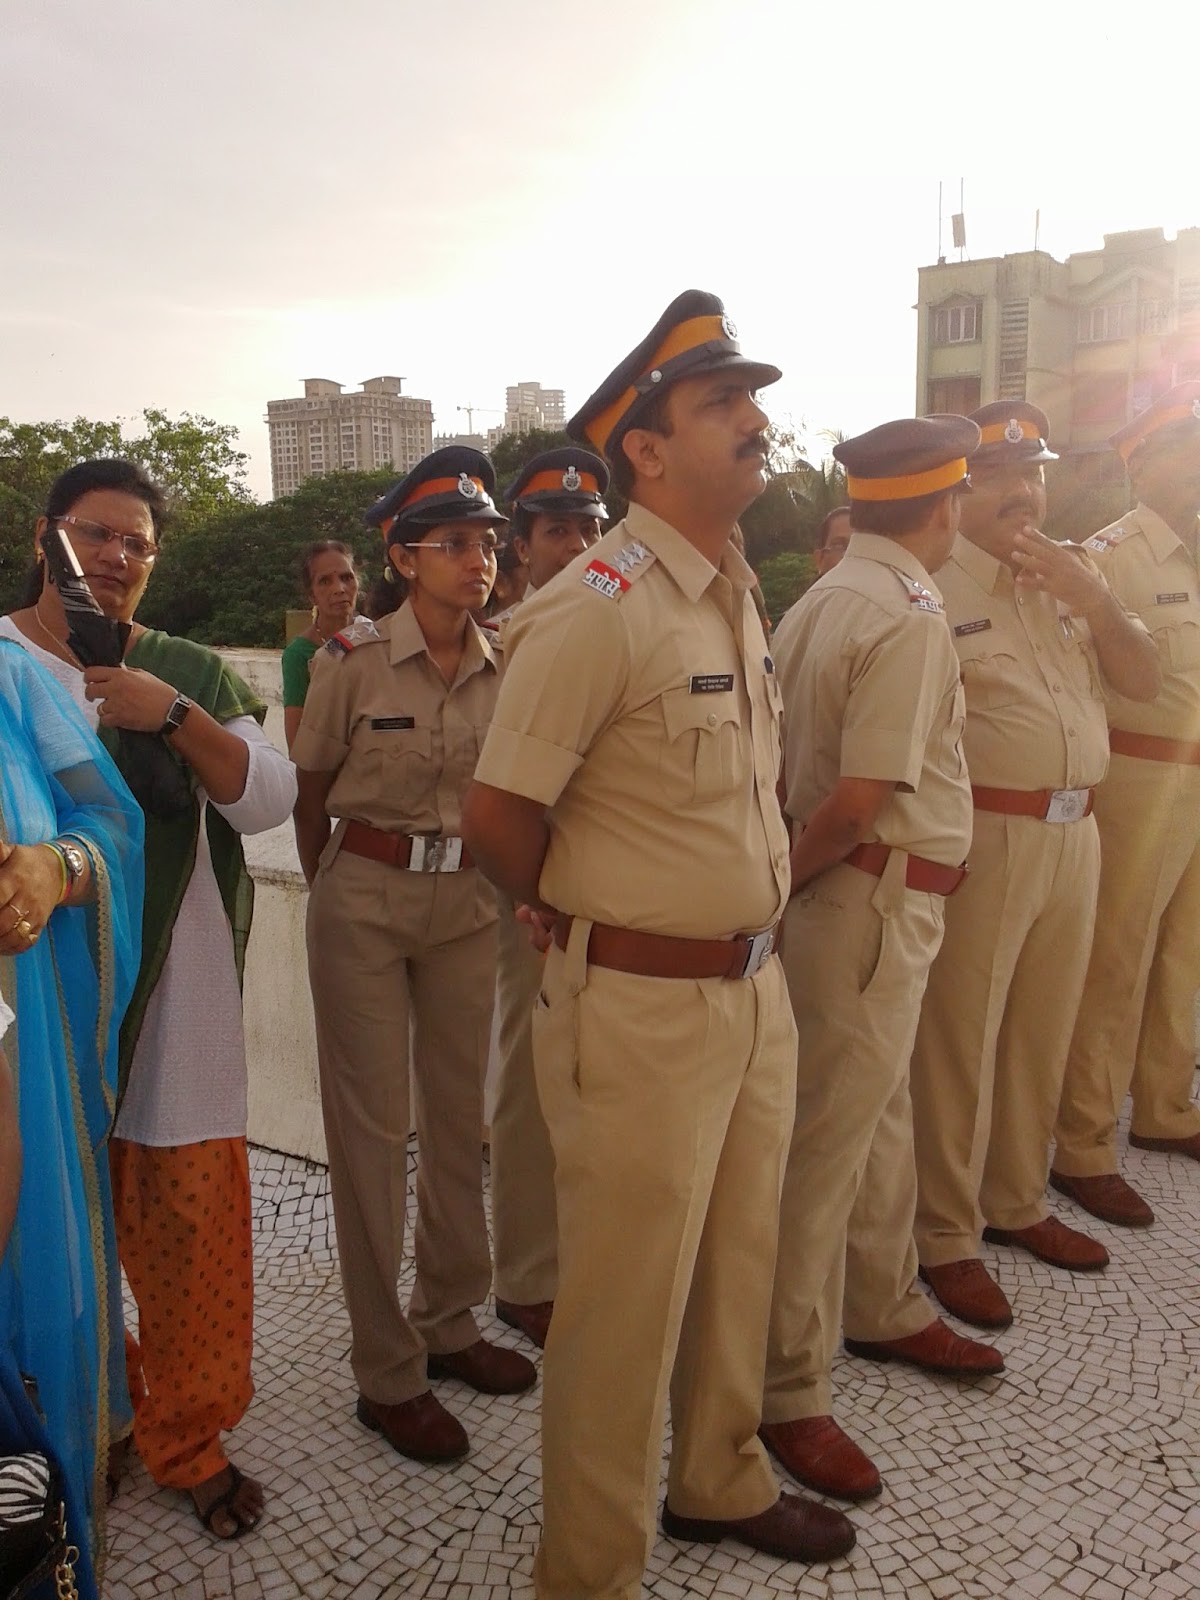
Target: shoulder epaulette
919,597
1109,538
613,574
361,631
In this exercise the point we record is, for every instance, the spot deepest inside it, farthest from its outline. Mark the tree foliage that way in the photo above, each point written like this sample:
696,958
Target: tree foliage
194,458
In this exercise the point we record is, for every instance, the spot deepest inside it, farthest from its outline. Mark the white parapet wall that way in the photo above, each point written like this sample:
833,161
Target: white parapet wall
281,1054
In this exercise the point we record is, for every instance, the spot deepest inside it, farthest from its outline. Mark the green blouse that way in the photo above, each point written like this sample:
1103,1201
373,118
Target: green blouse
297,658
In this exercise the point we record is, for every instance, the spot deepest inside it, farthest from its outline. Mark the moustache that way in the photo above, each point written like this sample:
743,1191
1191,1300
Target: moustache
753,447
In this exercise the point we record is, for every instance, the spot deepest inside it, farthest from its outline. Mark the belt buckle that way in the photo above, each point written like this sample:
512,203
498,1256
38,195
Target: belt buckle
759,952
434,855
1067,805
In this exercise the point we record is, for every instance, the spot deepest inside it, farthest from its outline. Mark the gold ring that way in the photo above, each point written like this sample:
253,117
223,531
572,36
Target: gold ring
22,927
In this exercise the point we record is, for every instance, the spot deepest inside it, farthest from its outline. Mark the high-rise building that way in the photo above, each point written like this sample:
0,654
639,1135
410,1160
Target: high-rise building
528,406
1091,340
328,431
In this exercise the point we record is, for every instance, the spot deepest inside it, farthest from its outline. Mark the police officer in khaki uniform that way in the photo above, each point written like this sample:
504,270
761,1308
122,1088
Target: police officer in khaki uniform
556,506
1135,1027
402,932
1037,634
877,789
627,789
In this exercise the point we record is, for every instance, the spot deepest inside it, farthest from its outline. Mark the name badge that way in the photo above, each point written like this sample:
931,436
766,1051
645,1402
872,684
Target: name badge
981,625
1172,599
391,724
710,683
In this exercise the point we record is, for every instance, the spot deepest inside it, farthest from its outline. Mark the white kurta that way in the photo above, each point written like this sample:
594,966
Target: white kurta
188,1077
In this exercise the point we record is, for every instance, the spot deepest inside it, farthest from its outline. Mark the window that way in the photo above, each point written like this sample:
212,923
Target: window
1154,316
960,324
1098,323
955,395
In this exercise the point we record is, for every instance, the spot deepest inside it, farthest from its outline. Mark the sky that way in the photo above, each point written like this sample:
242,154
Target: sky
203,204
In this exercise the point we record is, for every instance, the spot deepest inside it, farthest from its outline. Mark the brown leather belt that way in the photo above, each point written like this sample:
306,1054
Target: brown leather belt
418,852
661,955
933,877
1050,805
1150,747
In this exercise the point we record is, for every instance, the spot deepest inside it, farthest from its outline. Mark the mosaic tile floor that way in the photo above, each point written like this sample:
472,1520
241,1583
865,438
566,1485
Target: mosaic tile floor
1076,1474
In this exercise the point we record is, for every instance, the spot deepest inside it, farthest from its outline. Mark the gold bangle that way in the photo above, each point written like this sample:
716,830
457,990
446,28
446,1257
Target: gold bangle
62,864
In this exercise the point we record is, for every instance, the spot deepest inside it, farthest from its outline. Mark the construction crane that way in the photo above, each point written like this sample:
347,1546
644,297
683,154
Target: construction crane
471,410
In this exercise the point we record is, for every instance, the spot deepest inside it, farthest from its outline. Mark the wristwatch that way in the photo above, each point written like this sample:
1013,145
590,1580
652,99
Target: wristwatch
179,710
75,864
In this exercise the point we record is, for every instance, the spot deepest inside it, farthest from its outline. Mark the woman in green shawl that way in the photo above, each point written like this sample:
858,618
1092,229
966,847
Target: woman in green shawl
181,1186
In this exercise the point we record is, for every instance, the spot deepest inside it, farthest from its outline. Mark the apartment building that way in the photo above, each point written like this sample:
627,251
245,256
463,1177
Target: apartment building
528,406
1091,340
326,430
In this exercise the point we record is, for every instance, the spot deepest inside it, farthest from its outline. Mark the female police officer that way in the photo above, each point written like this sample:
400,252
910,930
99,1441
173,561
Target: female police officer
400,925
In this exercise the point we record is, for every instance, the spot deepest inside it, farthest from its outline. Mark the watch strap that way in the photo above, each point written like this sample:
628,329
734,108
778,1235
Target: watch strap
180,707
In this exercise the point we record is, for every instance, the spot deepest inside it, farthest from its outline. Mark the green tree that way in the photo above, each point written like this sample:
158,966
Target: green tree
783,578
194,458
230,580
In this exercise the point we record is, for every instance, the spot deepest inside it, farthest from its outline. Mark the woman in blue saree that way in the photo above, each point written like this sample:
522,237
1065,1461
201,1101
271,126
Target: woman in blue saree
70,917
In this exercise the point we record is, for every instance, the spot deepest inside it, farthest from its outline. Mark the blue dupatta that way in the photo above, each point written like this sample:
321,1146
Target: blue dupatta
60,1289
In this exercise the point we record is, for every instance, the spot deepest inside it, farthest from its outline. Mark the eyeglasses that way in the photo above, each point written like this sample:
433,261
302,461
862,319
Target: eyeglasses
95,536
459,545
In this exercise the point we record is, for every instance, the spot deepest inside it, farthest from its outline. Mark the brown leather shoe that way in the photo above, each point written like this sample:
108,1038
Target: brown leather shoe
794,1528
969,1292
1108,1197
421,1429
820,1456
936,1348
490,1368
1171,1147
532,1320
1052,1241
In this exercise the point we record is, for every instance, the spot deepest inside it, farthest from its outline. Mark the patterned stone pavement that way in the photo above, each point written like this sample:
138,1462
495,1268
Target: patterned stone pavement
1076,1474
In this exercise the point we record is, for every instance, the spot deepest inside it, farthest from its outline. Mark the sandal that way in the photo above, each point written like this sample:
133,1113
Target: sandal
224,1502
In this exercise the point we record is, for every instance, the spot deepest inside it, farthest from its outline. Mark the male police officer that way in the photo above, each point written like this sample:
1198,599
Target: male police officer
1037,634
1135,1026
636,806
557,506
877,787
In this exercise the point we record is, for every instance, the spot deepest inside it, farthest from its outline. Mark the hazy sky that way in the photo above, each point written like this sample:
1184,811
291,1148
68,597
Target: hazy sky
203,203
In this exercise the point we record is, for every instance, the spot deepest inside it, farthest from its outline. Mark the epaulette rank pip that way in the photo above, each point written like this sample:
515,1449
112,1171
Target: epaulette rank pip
361,631
612,579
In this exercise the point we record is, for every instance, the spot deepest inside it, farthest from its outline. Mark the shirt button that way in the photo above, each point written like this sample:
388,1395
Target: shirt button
712,719
1070,733
1058,688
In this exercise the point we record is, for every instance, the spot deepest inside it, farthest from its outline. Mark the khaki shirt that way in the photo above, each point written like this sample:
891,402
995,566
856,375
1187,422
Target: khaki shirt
640,705
871,690
1153,575
402,743
1035,698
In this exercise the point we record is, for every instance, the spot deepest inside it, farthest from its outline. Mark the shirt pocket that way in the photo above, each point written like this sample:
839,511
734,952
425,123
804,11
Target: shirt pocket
1176,631
399,757
699,760
1083,670
991,679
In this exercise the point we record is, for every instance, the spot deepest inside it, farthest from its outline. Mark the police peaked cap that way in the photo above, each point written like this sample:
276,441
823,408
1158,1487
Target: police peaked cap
909,458
693,336
1011,430
455,484
1180,405
570,481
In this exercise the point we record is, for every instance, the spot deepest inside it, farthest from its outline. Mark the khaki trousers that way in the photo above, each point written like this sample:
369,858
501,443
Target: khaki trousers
389,950
668,1103
856,951
524,1222
1136,1027
991,1050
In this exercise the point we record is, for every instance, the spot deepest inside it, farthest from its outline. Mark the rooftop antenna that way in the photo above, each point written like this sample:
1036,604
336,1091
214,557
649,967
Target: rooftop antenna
958,224
940,257
1037,226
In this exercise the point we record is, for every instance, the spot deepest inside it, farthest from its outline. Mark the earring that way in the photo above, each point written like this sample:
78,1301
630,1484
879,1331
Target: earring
314,613
389,573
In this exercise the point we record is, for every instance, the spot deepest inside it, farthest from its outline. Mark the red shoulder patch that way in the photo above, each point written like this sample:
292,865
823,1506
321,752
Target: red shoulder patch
605,580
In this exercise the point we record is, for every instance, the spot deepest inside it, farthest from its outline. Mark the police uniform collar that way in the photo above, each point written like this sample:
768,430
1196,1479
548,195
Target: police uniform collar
692,571
405,639
980,565
1160,535
876,547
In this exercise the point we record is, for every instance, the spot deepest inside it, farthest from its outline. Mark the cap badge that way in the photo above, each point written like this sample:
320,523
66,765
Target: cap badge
728,326
1196,409
1013,432
571,480
656,376
467,487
